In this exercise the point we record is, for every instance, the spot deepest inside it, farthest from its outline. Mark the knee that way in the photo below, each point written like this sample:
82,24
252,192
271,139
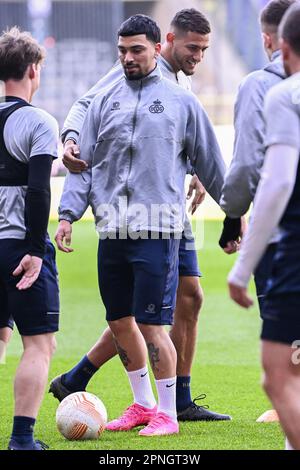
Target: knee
153,333
121,326
43,346
49,347
193,301
198,299
268,385
5,334
272,383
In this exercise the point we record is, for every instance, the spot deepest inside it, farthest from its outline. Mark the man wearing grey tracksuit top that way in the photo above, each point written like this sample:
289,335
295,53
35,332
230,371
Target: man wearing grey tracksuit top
136,138
188,40
250,147
249,151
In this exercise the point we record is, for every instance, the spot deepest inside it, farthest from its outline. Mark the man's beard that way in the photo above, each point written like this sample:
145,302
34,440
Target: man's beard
138,75
188,73
134,76
182,66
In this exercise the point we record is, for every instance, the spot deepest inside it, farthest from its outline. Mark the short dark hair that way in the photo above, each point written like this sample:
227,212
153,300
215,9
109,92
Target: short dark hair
141,24
289,27
273,12
191,20
18,50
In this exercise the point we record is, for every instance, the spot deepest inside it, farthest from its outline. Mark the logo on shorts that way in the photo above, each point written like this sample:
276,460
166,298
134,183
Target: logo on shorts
116,106
156,107
150,308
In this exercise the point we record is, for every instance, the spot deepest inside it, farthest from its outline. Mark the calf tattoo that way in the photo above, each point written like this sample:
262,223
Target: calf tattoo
123,355
153,356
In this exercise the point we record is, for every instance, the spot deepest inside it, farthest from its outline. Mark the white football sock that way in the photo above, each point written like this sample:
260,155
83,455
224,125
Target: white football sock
141,387
288,445
166,390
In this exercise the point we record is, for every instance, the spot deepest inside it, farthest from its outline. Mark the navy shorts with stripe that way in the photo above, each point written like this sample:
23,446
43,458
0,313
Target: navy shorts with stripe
35,310
281,309
139,278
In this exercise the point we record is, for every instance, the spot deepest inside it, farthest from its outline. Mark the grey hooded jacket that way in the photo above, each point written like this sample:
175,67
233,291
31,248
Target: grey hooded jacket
243,175
136,138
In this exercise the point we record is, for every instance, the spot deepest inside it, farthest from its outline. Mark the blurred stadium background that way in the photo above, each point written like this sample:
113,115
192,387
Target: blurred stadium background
80,38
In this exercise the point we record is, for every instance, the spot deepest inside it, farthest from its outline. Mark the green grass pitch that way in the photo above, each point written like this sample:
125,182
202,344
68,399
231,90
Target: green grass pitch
226,366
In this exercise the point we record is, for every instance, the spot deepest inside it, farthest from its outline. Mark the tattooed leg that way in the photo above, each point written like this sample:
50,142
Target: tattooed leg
123,354
161,350
153,356
130,343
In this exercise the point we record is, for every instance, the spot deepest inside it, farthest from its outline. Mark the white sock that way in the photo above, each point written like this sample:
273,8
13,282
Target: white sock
288,445
166,390
141,387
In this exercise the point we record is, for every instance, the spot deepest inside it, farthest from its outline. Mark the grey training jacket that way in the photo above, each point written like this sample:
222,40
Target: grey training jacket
243,175
136,138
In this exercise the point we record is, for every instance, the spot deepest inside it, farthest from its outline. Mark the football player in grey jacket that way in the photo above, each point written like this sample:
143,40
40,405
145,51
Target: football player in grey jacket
183,49
136,137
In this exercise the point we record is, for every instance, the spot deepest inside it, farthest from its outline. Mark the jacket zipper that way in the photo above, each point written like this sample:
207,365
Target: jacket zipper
134,121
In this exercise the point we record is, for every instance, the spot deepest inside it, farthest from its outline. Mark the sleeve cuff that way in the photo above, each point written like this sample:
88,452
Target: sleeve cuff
70,135
239,278
66,216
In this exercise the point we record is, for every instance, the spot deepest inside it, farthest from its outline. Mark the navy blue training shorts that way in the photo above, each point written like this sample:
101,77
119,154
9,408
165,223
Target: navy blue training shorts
188,261
262,274
281,309
35,310
139,278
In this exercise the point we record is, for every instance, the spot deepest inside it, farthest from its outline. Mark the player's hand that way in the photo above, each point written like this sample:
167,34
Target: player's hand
231,235
71,158
30,267
64,235
200,192
234,245
240,295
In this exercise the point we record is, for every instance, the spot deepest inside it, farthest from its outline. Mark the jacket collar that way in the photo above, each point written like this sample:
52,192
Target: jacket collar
8,99
165,63
154,77
275,55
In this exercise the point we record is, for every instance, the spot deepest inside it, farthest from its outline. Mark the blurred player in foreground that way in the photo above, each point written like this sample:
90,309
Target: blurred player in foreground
249,150
278,203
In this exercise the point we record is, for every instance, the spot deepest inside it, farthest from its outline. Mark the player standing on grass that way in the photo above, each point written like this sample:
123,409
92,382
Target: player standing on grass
278,202
28,277
132,169
183,49
249,150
